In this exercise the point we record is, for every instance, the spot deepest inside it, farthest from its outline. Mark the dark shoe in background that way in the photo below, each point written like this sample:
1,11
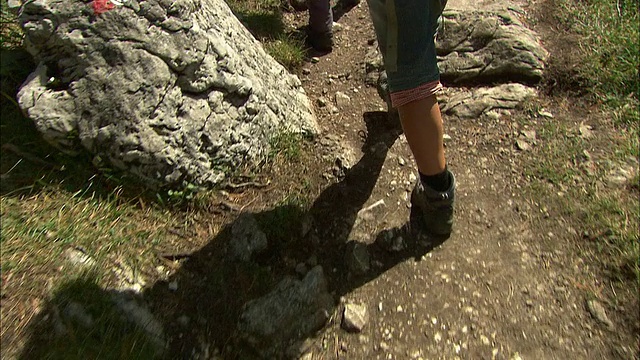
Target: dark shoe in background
436,207
320,41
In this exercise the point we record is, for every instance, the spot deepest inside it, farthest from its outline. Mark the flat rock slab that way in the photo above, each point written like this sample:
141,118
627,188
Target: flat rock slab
174,92
473,103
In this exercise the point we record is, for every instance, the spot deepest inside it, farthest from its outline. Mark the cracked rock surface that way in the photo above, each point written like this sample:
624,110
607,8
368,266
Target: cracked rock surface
487,46
173,92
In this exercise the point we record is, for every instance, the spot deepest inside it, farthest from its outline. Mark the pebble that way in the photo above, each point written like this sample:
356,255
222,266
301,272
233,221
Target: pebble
522,145
183,320
173,286
301,269
354,317
484,339
546,114
529,134
599,313
342,100
79,258
306,71
585,131
315,60
437,337
322,102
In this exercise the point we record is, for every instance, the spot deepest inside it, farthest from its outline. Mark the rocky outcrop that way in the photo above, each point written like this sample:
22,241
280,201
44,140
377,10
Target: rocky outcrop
291,312
488,47
172,91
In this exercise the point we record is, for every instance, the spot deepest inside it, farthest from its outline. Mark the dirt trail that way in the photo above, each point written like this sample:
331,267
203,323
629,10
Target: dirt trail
506,285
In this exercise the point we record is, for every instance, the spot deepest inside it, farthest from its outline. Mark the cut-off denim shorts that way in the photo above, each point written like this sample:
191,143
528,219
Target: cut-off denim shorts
406,32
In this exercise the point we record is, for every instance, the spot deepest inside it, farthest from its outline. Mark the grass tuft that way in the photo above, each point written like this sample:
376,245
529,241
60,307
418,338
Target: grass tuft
610,44
288,51
264,20
287,145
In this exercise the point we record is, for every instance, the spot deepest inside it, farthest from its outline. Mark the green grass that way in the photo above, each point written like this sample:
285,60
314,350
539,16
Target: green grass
610,214
264,20
286,144
610,47
610,42
287,50
608,69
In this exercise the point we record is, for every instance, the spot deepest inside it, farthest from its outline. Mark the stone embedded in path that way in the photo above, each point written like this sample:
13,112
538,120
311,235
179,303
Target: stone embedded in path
292,311
342,100
173,92
599,313
357,257
354,317
475,102
247,239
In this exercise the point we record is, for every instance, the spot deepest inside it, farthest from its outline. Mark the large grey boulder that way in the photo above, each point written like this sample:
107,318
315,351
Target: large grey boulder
173,91
489,47
294,310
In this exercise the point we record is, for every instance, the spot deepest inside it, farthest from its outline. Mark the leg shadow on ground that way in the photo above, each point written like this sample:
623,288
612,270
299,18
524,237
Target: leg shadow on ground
203,305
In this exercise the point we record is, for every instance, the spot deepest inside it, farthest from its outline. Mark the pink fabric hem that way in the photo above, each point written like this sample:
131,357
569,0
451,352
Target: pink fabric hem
423,91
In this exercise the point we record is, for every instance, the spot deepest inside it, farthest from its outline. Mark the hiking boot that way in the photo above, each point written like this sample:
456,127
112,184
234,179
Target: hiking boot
383,92
321,41
436,206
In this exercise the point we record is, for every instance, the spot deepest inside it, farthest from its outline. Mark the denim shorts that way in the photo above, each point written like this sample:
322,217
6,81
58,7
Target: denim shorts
406,32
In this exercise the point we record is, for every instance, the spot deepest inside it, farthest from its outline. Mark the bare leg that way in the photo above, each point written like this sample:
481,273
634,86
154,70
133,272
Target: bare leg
422,125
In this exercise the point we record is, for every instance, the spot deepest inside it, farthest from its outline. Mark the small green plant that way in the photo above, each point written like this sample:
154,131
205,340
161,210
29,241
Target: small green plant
264,20
288,51
610,44
186,194
286,144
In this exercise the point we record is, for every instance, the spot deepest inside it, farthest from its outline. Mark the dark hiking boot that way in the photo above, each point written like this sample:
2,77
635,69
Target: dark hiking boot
320,41
436,207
